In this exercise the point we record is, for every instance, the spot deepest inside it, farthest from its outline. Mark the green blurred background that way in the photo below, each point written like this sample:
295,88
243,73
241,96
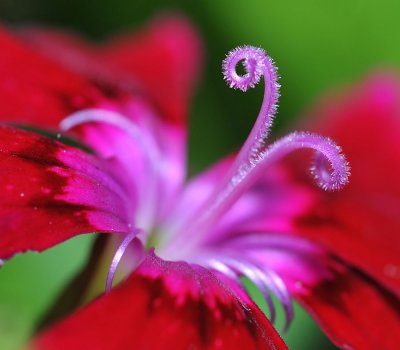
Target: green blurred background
317,45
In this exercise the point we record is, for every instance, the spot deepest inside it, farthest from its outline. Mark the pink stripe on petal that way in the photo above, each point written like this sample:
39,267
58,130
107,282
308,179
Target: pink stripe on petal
145,156
45,201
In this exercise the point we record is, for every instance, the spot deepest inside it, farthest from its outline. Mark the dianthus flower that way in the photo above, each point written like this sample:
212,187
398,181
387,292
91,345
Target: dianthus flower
254,214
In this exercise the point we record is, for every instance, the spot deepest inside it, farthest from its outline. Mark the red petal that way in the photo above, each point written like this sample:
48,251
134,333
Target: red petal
164,59
51,192
36,90
166,305
361,223
161,61
354,311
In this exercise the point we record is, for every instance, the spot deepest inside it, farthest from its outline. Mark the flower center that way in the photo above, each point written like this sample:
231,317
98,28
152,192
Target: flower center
330,168
185,238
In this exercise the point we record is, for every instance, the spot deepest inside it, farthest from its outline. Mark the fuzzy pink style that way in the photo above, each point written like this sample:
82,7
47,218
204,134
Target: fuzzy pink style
255,214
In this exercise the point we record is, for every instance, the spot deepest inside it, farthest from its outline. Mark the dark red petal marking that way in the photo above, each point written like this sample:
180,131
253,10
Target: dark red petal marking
166,305
354,311
352,308
361,223
36,90
51,192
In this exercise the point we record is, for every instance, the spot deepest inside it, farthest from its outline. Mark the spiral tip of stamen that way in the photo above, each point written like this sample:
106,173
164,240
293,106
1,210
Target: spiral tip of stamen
332,173
254,60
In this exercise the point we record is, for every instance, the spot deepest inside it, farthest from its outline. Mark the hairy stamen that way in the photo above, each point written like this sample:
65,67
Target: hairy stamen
256,64
93,115
255,156
330,169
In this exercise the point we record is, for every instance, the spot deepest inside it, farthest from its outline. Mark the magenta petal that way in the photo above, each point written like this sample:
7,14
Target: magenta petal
268,207
51,192
144,154
166,305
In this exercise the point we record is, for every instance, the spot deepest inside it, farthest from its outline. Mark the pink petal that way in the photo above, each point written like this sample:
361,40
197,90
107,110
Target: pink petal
166,305
270,206
51,192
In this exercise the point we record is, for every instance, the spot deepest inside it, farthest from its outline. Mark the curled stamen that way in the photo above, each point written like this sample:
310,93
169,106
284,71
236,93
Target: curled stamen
331,171
222,268
92,115
256,64
138,248
241,269
265,279
278,287
256,277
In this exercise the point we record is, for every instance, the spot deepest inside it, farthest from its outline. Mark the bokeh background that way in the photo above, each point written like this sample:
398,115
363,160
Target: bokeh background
318,46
